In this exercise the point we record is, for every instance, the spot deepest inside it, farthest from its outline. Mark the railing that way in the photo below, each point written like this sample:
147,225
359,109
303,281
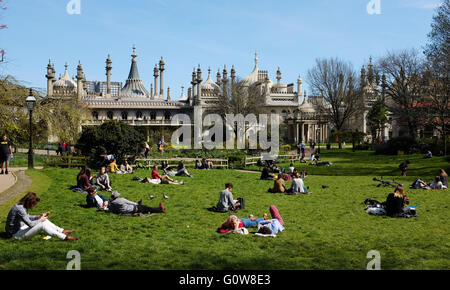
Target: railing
254,160
188,162
66,161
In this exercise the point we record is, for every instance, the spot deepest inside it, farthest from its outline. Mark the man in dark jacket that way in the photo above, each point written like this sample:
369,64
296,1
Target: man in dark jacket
96,200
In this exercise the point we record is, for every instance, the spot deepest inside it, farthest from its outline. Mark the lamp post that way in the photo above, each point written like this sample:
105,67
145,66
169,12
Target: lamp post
318,138
31,103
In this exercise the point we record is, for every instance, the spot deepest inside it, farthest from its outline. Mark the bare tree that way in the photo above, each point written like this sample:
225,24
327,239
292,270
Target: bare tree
334,80
405,86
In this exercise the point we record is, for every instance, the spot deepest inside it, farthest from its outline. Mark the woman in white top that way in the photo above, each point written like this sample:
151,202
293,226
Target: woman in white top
437,183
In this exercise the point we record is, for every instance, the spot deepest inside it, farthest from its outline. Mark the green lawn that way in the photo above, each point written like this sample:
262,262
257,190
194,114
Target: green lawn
326,230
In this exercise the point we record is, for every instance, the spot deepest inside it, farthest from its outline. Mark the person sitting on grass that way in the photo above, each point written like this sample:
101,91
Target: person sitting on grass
126,168
119,205
113,168
84,178
437,183
226,200
233,223
164,179
164,166
96,200
443,177
206,164
265,174
291,169
395,204
278,185
20,225
103,180
297,185
198,164
181,170
303,174
428,155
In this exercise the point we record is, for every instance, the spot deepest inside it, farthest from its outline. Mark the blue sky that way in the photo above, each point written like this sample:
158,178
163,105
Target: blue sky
289,34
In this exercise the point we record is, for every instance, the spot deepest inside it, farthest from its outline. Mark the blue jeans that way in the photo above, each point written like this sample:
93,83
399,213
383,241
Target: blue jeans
249,223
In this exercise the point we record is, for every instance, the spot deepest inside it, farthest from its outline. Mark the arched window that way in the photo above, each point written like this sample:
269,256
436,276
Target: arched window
124,115
284,114
139,115
95,115
110,115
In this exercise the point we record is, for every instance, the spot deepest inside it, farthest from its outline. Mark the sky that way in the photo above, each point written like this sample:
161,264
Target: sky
289,34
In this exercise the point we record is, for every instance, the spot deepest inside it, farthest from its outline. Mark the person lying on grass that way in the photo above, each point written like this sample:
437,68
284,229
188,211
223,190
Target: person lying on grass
278,185
119,205
226,200
233,223
20,225
102,180
164,179
160,181
270,227
96,200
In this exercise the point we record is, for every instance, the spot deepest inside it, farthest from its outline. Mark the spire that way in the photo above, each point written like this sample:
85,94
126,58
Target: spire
256,59
370,75
134,87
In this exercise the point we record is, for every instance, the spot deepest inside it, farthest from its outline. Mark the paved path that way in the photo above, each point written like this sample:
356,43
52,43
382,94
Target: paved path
16,182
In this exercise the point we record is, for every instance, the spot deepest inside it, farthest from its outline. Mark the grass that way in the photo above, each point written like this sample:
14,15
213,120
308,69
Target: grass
21,160
326,230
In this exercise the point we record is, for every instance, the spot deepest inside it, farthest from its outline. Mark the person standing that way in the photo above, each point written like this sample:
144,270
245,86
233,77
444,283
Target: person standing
5,153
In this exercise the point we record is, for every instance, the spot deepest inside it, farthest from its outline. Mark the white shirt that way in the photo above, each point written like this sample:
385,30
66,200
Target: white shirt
99,200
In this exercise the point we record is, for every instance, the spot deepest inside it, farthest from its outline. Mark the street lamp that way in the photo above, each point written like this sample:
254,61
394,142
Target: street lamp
31,103
318,137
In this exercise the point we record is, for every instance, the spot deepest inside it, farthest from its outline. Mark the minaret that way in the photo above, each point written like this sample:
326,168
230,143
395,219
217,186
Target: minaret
161,80
108,76
183,96
299,86
156,74
199,81
168,93
193,83
225,80
370,75
50,78
80,79
233,76
278,77
151,91
219,78
363,77
304,97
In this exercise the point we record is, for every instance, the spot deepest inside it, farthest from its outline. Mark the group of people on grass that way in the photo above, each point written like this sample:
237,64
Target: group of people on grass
280,179
440,182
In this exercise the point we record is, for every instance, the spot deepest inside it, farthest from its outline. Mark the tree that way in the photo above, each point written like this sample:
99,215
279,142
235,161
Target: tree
438,74
112,137
334,80
377,117
404,79
64,116
437,50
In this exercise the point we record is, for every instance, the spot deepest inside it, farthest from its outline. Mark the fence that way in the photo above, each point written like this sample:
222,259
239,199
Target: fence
254,160
66,161
188,162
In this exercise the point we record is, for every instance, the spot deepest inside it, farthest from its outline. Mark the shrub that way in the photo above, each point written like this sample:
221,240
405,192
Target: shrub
404,143
112,137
